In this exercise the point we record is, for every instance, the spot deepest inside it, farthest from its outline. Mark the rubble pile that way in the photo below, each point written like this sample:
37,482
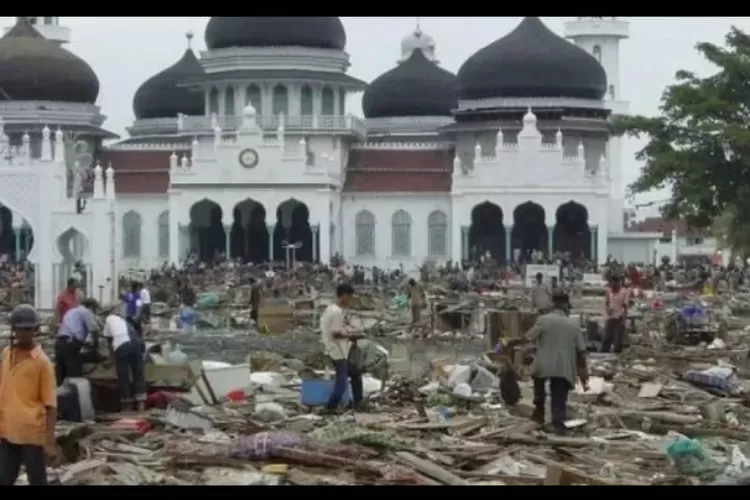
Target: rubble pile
673,408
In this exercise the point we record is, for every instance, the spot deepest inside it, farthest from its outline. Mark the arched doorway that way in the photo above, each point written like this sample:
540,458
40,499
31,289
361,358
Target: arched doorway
15,235
249,237
293,226
207,236
529,235
487,232
73,247
572,233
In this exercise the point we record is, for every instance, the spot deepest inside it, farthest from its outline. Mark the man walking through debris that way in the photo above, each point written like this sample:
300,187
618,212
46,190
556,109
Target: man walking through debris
337,341
560,355
68,299
417,298
28,403
617,312
541,298
255,295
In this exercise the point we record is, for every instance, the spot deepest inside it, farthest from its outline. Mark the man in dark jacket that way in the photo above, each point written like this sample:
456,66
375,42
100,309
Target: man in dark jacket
560,357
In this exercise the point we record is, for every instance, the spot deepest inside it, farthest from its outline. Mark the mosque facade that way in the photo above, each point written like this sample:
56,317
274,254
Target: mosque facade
247,149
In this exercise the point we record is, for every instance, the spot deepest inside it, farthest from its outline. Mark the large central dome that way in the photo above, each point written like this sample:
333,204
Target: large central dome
532,61
33,68
313,32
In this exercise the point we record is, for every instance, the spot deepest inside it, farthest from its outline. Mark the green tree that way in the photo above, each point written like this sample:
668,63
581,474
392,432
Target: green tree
699,145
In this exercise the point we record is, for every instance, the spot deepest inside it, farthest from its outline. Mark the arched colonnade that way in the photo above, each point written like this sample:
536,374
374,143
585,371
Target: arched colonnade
527,232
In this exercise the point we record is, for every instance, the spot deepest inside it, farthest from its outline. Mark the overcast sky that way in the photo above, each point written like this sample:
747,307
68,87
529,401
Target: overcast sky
125,51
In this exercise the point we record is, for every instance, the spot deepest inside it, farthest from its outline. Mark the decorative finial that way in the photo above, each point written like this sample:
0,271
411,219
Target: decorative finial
189,35
418,29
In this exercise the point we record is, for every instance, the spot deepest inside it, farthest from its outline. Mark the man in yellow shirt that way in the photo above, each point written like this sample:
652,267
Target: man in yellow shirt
28,403
337,342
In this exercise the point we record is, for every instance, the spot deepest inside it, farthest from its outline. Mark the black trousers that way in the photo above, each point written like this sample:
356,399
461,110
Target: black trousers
33,459
68,362
129,367
137,326
345,372
558,388
614,335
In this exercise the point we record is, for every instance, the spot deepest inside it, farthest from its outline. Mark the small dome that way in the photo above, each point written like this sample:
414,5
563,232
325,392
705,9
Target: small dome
418,40
416,87
532,61
313,32
161,96
33,68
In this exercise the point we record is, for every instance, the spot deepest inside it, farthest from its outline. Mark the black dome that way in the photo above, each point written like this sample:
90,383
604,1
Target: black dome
314,32
416,87
33,68
161,96
532,61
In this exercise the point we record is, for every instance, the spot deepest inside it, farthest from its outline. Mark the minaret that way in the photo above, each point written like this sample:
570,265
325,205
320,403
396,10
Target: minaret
600,37
49,28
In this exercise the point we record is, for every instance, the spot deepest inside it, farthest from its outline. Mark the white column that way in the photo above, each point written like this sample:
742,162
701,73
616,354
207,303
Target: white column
674,250
207,101
222,102
240,98
602,237
455,234
174,229
317,99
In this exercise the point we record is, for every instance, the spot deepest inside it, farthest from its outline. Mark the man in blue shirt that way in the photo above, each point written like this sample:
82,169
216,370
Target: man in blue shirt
76,326
132,308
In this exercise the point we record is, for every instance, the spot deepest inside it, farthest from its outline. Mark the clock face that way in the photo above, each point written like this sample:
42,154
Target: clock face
248,158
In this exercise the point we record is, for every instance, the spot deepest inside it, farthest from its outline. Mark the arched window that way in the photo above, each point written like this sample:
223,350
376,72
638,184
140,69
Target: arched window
131,235
213,101
365,233
253,96
229,101
401,227
164,234
306,100
280,101
597,51
327,100
437,234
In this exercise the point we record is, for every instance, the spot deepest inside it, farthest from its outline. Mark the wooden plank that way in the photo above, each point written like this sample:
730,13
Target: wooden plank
430,469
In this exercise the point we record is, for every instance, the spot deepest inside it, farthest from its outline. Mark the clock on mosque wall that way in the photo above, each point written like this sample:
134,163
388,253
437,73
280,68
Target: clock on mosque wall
248,158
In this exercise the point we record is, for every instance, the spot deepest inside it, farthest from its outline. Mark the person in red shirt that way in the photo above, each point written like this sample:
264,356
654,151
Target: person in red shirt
68,299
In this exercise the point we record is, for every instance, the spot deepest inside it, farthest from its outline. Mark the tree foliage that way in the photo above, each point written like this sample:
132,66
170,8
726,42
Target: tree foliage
699,145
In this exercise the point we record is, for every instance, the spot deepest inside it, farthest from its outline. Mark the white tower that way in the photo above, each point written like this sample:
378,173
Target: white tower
49,28
600,37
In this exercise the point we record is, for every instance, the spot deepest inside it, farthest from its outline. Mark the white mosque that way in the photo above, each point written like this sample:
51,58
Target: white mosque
248,146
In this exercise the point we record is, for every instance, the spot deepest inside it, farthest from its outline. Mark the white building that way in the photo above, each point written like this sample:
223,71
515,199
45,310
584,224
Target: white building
249,145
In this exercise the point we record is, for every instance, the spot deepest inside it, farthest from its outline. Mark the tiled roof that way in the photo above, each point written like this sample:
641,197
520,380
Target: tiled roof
666,226
403,171
138,172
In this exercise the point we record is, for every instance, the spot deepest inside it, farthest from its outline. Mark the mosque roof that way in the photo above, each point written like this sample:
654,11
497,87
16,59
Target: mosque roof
416,87
33,68
313,32
163,96
532,61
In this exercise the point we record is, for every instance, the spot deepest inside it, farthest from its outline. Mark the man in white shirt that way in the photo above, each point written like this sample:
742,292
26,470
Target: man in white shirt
337,341
126,348
145,304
